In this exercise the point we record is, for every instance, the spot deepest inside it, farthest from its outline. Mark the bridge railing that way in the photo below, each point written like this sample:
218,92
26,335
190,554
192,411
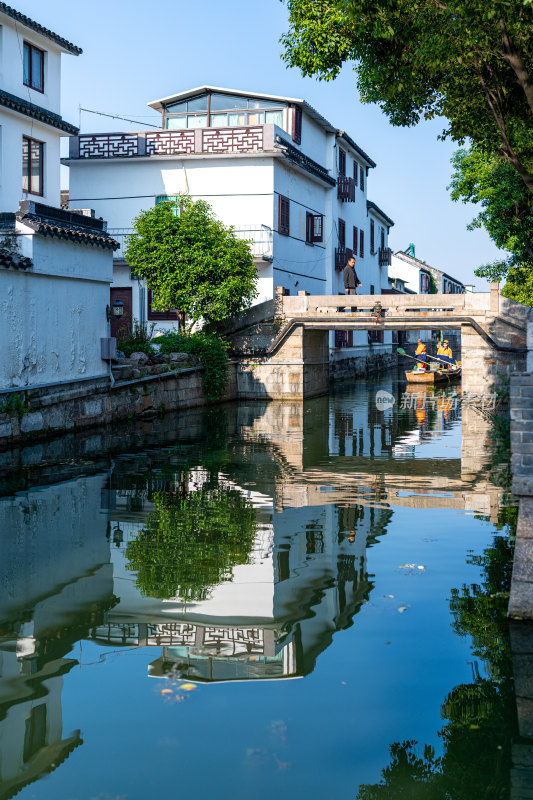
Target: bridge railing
400,304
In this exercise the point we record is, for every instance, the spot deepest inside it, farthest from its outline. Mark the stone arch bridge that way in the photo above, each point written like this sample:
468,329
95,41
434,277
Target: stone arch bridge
282,345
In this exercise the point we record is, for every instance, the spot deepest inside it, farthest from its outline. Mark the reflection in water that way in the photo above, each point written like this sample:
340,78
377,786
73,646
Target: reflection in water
232,546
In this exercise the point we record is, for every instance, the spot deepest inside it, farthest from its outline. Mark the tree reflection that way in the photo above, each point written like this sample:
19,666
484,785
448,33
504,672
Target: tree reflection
192,540
480,716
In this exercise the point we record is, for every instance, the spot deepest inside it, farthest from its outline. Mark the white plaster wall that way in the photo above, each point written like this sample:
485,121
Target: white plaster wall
12,39
406,272
51,324
298,265
13,127
314,140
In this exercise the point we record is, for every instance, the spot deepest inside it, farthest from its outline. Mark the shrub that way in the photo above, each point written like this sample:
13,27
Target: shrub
136,339
212,352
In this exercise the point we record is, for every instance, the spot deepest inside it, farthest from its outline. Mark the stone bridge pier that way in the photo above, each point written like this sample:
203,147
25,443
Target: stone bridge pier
282,344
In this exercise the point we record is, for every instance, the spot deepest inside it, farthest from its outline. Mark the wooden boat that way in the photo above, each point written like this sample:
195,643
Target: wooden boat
434,376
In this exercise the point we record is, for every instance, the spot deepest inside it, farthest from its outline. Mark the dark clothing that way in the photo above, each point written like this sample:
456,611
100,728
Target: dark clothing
350,278
351,291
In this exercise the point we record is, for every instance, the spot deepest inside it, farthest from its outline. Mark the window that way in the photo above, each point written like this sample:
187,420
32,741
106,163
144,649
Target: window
32,166
224,110
355,172
362,179
342,161
355,240
314,226
35,732
153,315
382,238
343,338
424,282
284,216
372,288
375,337
372,237
361,244
297,124
33,67
167,198
342,233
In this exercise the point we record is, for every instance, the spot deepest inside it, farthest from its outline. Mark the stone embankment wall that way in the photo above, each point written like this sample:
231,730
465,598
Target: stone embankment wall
521,403
41,413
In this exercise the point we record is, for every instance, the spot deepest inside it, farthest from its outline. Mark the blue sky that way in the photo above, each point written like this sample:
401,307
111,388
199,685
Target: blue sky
136,51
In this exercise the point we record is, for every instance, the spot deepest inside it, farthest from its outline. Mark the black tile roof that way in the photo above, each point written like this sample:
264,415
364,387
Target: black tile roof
354,146
60,224
39,113
373,207
30,23
303,161
10,258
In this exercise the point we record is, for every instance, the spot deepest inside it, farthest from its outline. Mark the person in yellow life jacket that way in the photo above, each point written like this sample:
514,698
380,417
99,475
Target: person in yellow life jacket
444,352
421,354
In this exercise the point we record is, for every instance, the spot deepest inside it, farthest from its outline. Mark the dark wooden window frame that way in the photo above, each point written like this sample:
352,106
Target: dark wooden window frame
31,47
362,179
284,215
297,124
355,240
382,237
314,227
154,316
31,141
361,243
342,233
342,162
356,173
372,237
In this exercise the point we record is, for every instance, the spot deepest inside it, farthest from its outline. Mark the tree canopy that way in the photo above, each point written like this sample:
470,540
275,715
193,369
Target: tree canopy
470,62
191,261
506,214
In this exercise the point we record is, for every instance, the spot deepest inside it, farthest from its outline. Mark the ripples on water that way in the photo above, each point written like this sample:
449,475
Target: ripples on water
258,601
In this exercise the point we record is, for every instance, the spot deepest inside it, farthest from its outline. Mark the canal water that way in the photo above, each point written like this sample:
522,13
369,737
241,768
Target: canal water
258,601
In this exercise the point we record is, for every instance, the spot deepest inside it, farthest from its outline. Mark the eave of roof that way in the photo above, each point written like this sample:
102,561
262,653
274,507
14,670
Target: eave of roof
159,105
377,210
10,258
65,45
356,148
300,159
39,113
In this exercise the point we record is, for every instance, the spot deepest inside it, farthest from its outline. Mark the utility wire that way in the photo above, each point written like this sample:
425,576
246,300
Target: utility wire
117,116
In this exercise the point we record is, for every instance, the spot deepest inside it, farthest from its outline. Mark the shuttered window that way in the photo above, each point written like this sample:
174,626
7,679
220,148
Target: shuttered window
355,240
361,179
342,233
283,216
361,244
355,172
382,238
372,236
297,124
342,162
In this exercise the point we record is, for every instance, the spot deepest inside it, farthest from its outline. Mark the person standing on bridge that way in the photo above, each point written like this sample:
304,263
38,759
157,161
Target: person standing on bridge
350,278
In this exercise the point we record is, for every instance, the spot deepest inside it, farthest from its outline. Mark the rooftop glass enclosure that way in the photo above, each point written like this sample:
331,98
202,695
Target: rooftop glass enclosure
217,110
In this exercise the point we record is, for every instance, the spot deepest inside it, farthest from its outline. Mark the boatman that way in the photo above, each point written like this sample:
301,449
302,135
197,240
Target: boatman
421,354
445,353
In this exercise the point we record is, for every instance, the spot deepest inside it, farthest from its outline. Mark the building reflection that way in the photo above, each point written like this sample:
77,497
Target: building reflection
56,584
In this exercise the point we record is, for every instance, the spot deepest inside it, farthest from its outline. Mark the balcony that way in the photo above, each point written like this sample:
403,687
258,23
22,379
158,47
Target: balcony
342,254
259,235
385,256
215,141
345,189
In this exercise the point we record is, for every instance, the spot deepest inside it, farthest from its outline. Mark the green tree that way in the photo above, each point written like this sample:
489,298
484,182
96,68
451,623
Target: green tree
192,540
191,261
506,214
470,62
